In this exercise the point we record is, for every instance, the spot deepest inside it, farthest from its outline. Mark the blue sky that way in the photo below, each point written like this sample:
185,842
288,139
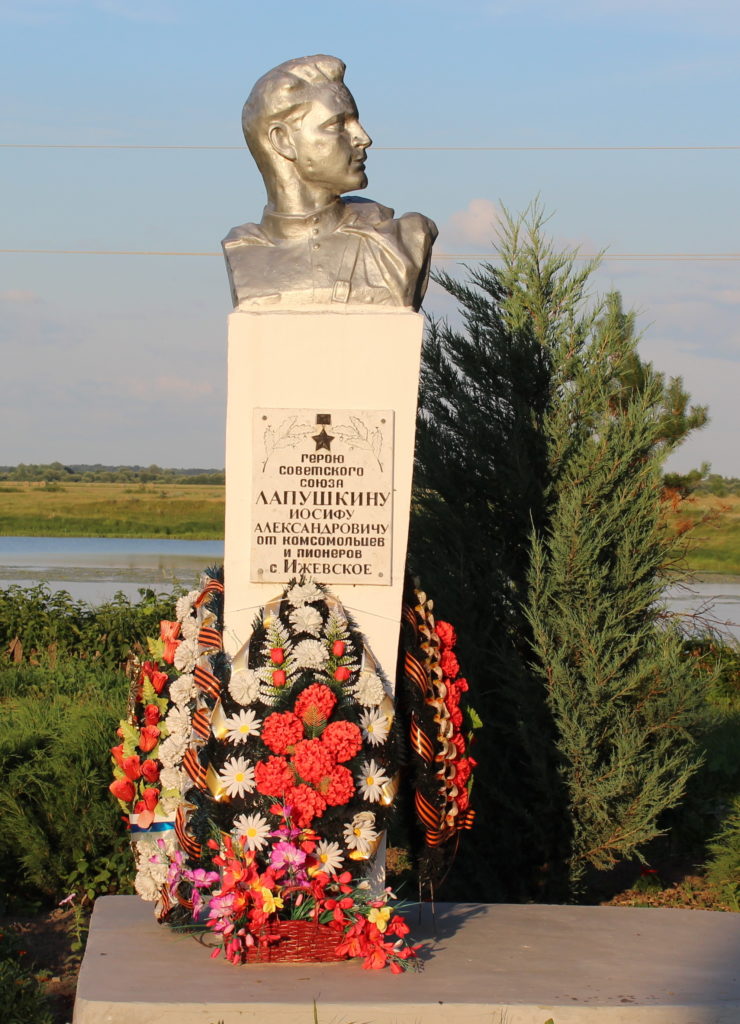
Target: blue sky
121,359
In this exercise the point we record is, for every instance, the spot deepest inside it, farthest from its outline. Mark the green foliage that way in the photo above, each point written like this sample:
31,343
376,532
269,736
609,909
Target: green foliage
21,995
538,527
54,472
723,867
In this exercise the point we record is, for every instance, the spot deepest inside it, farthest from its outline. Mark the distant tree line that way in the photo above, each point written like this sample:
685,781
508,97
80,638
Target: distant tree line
57,472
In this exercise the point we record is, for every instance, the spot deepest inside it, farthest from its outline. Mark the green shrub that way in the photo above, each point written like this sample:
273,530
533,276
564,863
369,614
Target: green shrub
21,997
723,867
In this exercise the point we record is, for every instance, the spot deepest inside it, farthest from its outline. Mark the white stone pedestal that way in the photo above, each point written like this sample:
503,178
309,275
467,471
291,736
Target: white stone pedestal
353,375
484,964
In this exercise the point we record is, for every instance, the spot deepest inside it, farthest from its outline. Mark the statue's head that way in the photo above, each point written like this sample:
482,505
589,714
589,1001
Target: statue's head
300,120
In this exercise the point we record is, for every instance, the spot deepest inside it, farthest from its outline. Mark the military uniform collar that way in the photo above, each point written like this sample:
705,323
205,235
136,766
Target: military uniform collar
287,226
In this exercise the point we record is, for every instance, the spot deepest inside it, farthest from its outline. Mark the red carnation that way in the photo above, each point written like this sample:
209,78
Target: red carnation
281,731
123,789
459,740
342,674
150,770
463,771
316,703
118,754
313,760
447,635
449,664
340,788
148,738
151,714
344,739
132,767
307,805
338,648
279,677
274,777
277,655
463,800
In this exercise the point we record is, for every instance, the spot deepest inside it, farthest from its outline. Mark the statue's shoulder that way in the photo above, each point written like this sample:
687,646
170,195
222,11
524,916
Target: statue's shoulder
369,213
244,234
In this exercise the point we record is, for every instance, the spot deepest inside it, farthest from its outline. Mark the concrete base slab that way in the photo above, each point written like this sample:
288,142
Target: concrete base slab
484,964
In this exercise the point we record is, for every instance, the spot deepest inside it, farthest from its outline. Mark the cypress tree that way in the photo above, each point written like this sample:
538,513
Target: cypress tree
538,527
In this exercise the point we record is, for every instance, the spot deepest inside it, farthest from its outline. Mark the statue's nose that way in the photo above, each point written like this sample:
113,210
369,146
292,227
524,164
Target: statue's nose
362,138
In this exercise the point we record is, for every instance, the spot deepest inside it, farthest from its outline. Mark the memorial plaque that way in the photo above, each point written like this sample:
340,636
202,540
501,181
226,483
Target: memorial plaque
322,495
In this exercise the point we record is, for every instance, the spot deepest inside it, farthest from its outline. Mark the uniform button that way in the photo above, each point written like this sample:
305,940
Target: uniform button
314,231
316,220
316,245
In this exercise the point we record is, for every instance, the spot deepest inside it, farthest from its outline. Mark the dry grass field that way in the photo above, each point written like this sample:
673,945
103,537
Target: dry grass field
714,533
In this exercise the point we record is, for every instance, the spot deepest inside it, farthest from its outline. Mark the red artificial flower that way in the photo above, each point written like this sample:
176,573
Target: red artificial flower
150,770
123,789
463,800
307,805
459,740
338,648
339,788
169,632
150,798
277,655
315,704
449,664
344,739
148,738
118,754
279,677
150,671
274,777
313,760
281,731
132,767
447,635
151,714
463,771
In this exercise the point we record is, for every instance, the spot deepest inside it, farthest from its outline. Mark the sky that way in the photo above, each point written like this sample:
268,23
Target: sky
121,358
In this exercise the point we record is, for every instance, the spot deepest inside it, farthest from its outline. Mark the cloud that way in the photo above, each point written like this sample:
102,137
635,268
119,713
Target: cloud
19,296
185,388
471,229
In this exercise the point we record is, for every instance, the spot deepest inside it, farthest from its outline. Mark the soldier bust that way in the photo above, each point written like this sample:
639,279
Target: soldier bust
311,246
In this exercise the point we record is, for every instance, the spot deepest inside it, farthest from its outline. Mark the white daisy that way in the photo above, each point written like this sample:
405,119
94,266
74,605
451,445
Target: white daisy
183,689
375,727
306,620
242,725
360,833
369,689
185,605
305,594
186,655
254,828
237,776
329,856
371,780
310,654
244,686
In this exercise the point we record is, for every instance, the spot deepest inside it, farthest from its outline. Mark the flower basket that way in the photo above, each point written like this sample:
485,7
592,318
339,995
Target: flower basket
296,942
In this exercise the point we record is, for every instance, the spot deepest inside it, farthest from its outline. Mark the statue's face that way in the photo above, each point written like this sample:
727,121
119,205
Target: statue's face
330,142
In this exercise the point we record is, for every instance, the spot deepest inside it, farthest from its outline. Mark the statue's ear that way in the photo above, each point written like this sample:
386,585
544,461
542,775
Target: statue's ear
281,140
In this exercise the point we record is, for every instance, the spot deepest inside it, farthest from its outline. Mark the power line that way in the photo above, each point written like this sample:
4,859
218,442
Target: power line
389,149
706,257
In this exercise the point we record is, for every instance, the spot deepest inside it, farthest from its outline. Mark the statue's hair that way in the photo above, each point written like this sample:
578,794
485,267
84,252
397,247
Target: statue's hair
283,94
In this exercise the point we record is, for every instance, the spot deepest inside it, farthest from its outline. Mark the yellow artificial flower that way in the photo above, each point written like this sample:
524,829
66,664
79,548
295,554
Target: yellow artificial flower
270,902
379,917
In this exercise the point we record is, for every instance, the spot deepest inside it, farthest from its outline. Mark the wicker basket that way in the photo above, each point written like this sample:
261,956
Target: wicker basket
296,942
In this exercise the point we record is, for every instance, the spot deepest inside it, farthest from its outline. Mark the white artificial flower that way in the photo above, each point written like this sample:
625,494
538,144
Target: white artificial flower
242,725
158,867
244,686
185,605
360,833
369,689
145,886
172,750
375,727
189,628
254,828
183,689
170,803
371,780
306,620
305,594
310,654
237,776
172,778
329,856
186,655
178,722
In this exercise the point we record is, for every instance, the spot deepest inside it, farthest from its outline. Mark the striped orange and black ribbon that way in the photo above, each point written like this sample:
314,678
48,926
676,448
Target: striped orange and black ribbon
207,681
188,844
414,670
194,768
426,811
210,638
201,723
420,742
213,586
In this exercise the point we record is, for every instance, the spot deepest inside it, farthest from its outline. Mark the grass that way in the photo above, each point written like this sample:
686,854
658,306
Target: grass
183,511
715,534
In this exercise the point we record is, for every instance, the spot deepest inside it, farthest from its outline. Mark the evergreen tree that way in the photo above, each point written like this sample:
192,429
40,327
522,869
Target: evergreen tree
538,528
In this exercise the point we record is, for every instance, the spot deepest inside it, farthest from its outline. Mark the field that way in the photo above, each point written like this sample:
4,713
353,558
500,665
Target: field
196,512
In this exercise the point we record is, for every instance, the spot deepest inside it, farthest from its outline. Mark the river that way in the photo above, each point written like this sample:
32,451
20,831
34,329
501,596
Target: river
94,568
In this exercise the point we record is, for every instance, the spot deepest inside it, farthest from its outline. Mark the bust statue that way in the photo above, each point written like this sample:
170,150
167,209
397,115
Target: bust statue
312,247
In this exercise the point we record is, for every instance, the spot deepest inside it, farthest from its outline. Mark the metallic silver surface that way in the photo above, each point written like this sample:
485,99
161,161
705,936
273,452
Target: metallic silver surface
311,246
